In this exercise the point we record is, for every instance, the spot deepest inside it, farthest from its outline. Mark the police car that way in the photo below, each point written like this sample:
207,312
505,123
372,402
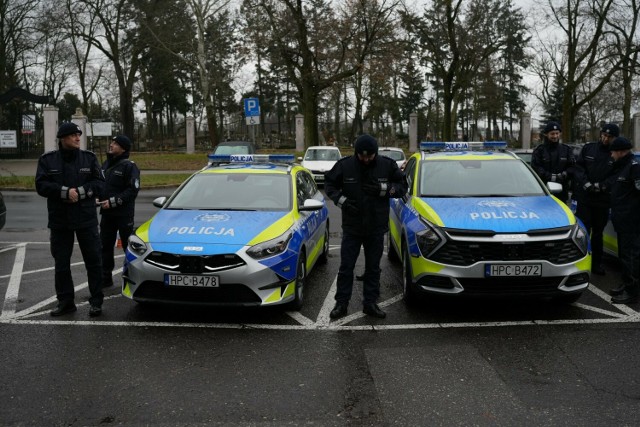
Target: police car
482,223
244,231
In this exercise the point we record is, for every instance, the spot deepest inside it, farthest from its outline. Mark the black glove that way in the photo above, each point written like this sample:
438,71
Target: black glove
350,207
559,177
371,188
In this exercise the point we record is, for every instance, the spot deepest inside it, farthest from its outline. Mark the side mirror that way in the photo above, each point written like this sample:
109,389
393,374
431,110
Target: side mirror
554,187
159,202
311,205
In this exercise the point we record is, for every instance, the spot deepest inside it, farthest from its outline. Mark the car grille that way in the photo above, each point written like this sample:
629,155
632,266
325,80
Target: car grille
468,253
228,293
189,264
508,286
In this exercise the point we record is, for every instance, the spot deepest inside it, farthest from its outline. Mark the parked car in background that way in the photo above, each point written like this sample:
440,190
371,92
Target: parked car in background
320,159
235,147
481,223
393,153
524,153
3,212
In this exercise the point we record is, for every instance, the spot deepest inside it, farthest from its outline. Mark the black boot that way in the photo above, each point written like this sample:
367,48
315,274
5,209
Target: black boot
627,296
374,310
63,308
339,310
617,290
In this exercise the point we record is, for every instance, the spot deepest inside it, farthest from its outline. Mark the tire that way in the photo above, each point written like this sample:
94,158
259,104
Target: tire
408,288
392,254
324,256
301,274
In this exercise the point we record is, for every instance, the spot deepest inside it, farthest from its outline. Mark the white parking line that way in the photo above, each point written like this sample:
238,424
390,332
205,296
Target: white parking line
11,296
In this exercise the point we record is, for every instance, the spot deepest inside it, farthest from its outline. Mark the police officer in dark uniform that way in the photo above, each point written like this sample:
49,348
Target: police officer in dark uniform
361,186
117,207
552,160
625,206
593,169
71,179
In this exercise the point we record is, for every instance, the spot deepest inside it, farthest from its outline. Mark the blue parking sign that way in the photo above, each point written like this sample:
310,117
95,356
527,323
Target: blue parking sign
251,107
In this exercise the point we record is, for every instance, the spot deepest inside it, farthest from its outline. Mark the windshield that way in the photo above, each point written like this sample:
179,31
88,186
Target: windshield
324,155
395,155
478,178
234,191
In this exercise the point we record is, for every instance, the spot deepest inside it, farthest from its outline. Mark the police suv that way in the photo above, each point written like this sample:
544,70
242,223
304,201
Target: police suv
478,221
244,231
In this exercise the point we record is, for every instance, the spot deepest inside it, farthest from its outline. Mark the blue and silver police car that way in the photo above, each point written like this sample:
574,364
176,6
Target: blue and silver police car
244,231
478,221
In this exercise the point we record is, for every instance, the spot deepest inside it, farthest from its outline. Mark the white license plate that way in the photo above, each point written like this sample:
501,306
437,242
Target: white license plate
513,270
191,280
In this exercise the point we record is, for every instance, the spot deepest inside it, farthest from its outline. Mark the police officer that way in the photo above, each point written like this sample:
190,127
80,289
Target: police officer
625,205
118,205
593,169
361,186
552,160
71,179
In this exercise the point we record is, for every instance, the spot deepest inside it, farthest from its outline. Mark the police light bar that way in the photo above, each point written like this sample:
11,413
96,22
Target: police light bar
251,158
462,146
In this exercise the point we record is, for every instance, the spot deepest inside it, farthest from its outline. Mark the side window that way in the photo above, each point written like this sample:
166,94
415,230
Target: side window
300,188
409,172
311,188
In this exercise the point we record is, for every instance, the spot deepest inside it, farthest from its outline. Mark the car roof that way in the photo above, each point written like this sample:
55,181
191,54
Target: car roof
323,147
389,149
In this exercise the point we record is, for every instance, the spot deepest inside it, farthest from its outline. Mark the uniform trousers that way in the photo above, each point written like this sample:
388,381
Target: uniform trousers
110,226
629,253
595,220
373,245
62,240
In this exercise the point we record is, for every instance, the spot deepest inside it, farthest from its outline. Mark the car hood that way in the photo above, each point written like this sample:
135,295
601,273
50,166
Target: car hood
319,165
210,232
499,214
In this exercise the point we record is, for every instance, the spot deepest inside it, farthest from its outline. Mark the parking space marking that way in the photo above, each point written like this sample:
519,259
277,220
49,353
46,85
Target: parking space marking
323,321
13,289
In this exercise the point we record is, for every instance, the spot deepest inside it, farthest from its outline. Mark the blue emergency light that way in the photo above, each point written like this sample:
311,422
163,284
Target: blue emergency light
251,158
462,145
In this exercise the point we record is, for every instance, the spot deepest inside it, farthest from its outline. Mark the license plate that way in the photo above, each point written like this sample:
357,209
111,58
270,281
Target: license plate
513,270
191,280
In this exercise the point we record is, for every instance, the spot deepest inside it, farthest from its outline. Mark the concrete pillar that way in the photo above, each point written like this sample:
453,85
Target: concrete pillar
81,120
635,131
299,132
50,128
190,130
525,130
413,132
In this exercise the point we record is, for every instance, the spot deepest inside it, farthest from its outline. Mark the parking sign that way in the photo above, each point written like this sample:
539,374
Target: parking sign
251,107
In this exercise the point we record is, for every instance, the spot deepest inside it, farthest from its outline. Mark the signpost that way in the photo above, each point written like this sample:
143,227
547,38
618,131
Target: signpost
8,139
252,111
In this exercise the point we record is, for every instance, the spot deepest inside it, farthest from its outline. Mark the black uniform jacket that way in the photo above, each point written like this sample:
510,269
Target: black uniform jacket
548,159
122,178
60,170
346,179
625,195
594,165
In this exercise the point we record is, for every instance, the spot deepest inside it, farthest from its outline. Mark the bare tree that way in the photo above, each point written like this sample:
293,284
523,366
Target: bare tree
318,48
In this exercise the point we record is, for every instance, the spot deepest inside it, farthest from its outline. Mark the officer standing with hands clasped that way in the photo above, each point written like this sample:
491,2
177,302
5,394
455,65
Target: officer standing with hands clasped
361,186
552,160
71,179
625,208
593,169
117,207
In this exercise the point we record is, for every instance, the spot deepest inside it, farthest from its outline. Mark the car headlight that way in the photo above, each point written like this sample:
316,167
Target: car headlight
581,238
428,239
270,247
136,245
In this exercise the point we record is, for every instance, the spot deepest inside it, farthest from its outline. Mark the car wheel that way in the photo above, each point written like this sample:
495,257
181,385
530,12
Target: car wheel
408,290
392,254
324,256
301,273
